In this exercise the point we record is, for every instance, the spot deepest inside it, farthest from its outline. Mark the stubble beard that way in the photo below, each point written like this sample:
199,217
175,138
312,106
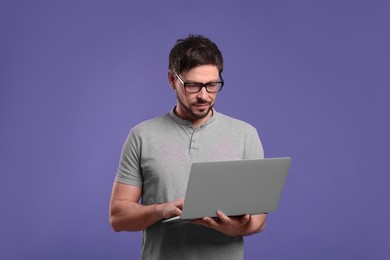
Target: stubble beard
190,113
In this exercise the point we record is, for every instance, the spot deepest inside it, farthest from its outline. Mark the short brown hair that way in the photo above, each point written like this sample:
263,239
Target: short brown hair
193,51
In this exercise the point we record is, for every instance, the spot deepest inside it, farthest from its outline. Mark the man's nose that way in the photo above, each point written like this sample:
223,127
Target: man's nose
202,94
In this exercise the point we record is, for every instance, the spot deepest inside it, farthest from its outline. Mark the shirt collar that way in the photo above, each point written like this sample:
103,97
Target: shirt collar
189,123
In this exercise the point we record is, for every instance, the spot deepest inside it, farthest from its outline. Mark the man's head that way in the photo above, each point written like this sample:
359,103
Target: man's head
195,66
193,51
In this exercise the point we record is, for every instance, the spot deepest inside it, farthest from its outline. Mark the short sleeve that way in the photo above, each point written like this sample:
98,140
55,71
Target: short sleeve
129,170
253,146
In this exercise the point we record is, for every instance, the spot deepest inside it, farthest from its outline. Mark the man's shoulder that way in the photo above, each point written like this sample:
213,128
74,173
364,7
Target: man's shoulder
152,124
228,121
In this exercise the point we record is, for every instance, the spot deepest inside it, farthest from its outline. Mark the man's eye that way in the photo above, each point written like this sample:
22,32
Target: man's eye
193,85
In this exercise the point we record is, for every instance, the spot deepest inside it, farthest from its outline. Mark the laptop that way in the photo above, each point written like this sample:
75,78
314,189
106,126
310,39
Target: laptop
234,187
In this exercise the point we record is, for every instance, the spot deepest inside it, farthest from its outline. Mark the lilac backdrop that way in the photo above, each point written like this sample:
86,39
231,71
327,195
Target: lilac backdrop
311,76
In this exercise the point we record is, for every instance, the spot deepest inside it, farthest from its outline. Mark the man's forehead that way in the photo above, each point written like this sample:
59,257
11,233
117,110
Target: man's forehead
202,71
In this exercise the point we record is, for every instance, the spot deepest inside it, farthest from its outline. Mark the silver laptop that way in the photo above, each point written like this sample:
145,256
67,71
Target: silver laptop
234,187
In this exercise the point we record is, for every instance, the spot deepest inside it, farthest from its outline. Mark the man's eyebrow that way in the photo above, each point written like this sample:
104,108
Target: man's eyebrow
197,82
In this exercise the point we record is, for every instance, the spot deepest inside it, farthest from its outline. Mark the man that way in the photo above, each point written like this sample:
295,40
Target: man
157,157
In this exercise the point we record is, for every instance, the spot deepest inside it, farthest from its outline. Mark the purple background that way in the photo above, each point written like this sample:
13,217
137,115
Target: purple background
311,76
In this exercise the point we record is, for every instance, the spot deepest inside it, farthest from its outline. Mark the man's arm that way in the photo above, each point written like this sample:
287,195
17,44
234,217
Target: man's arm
126,214
235,226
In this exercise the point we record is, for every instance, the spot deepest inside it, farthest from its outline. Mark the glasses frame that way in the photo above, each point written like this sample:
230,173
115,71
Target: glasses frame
201,85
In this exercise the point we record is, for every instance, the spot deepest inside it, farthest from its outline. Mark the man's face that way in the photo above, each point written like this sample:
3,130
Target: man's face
195,106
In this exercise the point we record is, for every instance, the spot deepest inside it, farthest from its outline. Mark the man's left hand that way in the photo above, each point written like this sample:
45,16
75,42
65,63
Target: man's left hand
230,226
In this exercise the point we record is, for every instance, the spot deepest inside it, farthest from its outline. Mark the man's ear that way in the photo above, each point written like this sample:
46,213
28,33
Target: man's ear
172,80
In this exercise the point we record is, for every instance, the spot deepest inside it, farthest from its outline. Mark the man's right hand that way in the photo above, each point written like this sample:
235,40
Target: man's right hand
171,209
126,214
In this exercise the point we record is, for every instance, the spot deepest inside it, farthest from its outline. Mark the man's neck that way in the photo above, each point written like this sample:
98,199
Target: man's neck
196,123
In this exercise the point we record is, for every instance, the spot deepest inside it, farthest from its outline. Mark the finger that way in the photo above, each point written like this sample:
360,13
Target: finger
170,212
210,221
224,219
178,212
195,221
179,203
245,219
199,221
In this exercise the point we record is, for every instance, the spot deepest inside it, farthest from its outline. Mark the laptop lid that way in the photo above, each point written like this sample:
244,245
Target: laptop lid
235,187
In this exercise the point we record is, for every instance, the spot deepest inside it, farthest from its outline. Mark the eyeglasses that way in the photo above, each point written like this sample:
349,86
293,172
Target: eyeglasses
195,87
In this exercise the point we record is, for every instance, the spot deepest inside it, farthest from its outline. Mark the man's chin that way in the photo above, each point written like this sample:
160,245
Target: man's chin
202,113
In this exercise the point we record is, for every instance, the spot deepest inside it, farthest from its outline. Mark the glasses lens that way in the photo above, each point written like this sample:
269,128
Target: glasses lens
213,87
193,87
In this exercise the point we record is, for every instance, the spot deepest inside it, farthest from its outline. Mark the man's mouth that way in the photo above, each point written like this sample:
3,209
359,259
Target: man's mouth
201,104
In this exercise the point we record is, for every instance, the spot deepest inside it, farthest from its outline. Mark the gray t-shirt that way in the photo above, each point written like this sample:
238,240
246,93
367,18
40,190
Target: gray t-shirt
157,156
